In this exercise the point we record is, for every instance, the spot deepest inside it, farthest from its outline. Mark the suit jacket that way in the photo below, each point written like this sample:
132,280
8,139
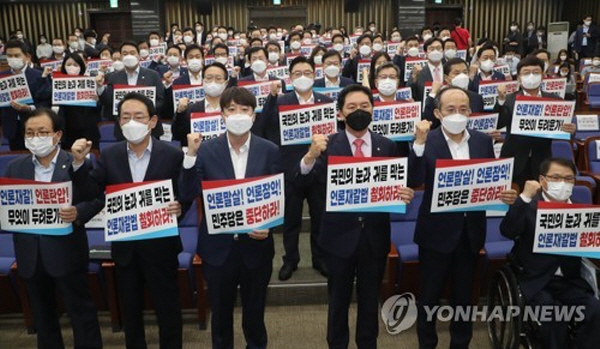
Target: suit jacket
146,77
400,61
344,81
91,52
60,255
340,232
592,41
349,70
41,92
442,231
474,84
537,268
475,103
213,162
269,123
417,88
181,122
520,147
113,168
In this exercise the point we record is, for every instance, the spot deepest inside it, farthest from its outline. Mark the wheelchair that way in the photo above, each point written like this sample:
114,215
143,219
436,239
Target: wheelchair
513,332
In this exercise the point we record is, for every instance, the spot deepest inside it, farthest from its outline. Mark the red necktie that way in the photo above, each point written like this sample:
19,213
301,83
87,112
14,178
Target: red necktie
358,144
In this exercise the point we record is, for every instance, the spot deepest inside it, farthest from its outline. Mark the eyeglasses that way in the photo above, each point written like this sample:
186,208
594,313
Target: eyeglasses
558,178
137,117
40,134
383,77
307,73
450,111
210,78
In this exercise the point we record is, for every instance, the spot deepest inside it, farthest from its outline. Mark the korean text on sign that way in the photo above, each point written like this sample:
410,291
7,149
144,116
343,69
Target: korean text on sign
396,120
541,117
298,123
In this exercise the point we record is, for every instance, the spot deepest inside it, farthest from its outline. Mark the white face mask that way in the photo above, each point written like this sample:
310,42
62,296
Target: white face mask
295,45
214,89
596,62
243,42
130,61
303,84
564,73
135,132
43,41
273,57
58,49
40,147
455,123
396,38
587,23
93,42
222,60
332,71
173,61
74,45
258,66
194,65
365,50
435,56
118,65
560,191
413,52
531,81
307,41
223,36
450,53
188,39
427,37
487,65
153,42
19,36
199,29
508,57
144,53
272,36
387,87
563,58
318,60
238,124
338,47
546,66
16,63
377,47
461,80
73,69
513,27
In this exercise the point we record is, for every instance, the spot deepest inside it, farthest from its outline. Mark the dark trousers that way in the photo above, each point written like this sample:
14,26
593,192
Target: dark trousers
160,276
554,335
366,266
222,282
73,288
294,201
435,268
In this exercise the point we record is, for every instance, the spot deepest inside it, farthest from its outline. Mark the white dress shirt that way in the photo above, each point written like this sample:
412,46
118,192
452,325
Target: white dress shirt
42,173
239,161
459,151
328,83
133,77
139,165
258,78
193,80
367,149
209,109
301,100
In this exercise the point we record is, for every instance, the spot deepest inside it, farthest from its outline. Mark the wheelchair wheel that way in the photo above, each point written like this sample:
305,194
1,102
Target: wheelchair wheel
503,292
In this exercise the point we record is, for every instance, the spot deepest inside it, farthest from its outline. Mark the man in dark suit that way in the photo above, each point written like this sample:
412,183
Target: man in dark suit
551,279
302,72
529,152
412,50
455,74
586,38
90,50
12,117
150,263
50,263
355,244
363,50
241,259
215,82
448,242
332,65
431,72
131,75
486,59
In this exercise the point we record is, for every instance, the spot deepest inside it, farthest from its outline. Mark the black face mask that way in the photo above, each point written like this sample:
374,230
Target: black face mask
359,119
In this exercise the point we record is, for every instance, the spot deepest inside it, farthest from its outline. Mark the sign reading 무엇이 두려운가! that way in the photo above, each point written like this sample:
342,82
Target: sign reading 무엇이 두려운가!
14,88
210,125
483,122
558,86
470,185
139,211
488,90
260,90
240,206
567,229
298,123
365,184
32,207
74,90
120,91
396,120
195,93
541,117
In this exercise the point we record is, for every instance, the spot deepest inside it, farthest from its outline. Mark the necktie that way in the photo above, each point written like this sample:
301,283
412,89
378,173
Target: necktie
358,144
436,74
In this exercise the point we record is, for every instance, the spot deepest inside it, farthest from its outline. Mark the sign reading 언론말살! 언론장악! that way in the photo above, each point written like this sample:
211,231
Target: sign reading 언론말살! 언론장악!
365,184
209,125
139,211
240,206
541,117
32,207
195,94
567,229
471,185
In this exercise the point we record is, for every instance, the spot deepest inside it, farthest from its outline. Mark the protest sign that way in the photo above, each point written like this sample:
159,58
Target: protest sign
396,120
541,117
74,90
298,123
